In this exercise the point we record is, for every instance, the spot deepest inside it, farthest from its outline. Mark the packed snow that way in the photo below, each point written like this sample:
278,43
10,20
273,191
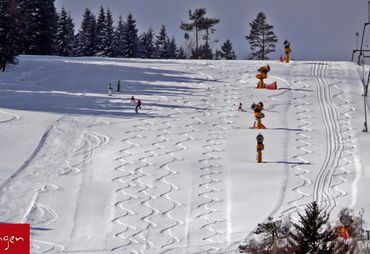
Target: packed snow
180,176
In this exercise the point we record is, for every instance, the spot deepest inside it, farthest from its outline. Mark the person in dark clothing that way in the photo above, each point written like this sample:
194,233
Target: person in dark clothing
240,107
138,106
118,86
132,99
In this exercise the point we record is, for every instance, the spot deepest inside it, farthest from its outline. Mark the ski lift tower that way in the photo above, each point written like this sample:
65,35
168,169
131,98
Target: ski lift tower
361,61
363,35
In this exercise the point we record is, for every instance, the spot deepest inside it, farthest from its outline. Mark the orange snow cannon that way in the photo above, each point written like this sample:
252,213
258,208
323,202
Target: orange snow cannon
260,147
262,74
258,115
287,50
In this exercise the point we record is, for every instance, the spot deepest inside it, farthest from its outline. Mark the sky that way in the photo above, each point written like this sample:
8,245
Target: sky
317,29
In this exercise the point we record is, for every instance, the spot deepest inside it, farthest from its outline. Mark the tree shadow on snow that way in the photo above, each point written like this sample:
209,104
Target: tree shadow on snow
72,86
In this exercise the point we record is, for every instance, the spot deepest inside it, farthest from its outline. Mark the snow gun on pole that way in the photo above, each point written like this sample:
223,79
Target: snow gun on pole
262,74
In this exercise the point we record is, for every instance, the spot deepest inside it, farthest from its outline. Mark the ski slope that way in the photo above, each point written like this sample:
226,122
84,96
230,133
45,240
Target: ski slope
91,176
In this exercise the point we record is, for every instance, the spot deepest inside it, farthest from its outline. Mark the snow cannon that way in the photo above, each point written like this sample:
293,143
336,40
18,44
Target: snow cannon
258,115
262,74
343,231
260,147
287,50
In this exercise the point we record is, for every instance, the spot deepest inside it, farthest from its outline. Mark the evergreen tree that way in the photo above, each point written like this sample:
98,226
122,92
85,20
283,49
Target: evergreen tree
101,33
41,20
86,35
172,48
108,50
11,39
313,234
118,41
261,38
204,52
161,44
181,53
218,55
227,51
130,38
65,34
147,47
198,23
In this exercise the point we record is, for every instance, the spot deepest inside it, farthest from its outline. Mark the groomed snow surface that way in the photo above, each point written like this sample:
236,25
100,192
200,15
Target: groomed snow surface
92,176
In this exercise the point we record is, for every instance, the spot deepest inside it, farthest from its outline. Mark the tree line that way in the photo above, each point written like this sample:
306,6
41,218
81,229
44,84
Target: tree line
310,233
35,27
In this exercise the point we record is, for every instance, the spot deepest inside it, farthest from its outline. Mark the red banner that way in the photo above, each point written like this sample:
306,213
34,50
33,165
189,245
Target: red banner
14,239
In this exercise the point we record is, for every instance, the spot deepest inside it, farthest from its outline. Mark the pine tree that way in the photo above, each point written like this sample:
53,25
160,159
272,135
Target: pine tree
161,44
86,35
261,38
65,34
118,41
130,38
41,20
147,47
172,48
227,51
196,18
101,33
313,234
181,53
108,47
198,24
11,40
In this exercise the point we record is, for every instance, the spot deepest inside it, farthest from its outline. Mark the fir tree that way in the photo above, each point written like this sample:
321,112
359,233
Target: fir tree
227,51
86,35
181,53
65,34
41,26
101,33
172,48
11,40
147,47
161,44
118,41
130,38
313,234
108,47
261,38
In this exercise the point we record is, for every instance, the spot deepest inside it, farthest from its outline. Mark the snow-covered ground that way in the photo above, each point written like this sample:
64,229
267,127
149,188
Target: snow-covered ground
91,176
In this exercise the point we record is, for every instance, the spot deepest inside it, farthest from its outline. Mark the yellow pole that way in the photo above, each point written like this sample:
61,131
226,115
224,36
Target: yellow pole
259,156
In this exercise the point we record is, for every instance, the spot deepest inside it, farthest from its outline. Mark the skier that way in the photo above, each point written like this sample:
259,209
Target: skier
118,86
138,106
110,89
132,99
240,107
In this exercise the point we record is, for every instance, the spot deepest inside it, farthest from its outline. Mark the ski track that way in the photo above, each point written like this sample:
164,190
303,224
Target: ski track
134,191
36,171
302,137
10,117
159,148
335,169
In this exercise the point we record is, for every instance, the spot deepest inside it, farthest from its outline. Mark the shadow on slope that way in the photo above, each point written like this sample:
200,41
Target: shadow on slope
79,86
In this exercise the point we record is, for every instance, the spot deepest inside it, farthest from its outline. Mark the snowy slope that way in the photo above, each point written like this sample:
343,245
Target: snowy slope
91,176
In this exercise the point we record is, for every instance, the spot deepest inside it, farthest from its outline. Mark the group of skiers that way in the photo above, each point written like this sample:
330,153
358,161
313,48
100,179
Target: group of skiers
133,100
